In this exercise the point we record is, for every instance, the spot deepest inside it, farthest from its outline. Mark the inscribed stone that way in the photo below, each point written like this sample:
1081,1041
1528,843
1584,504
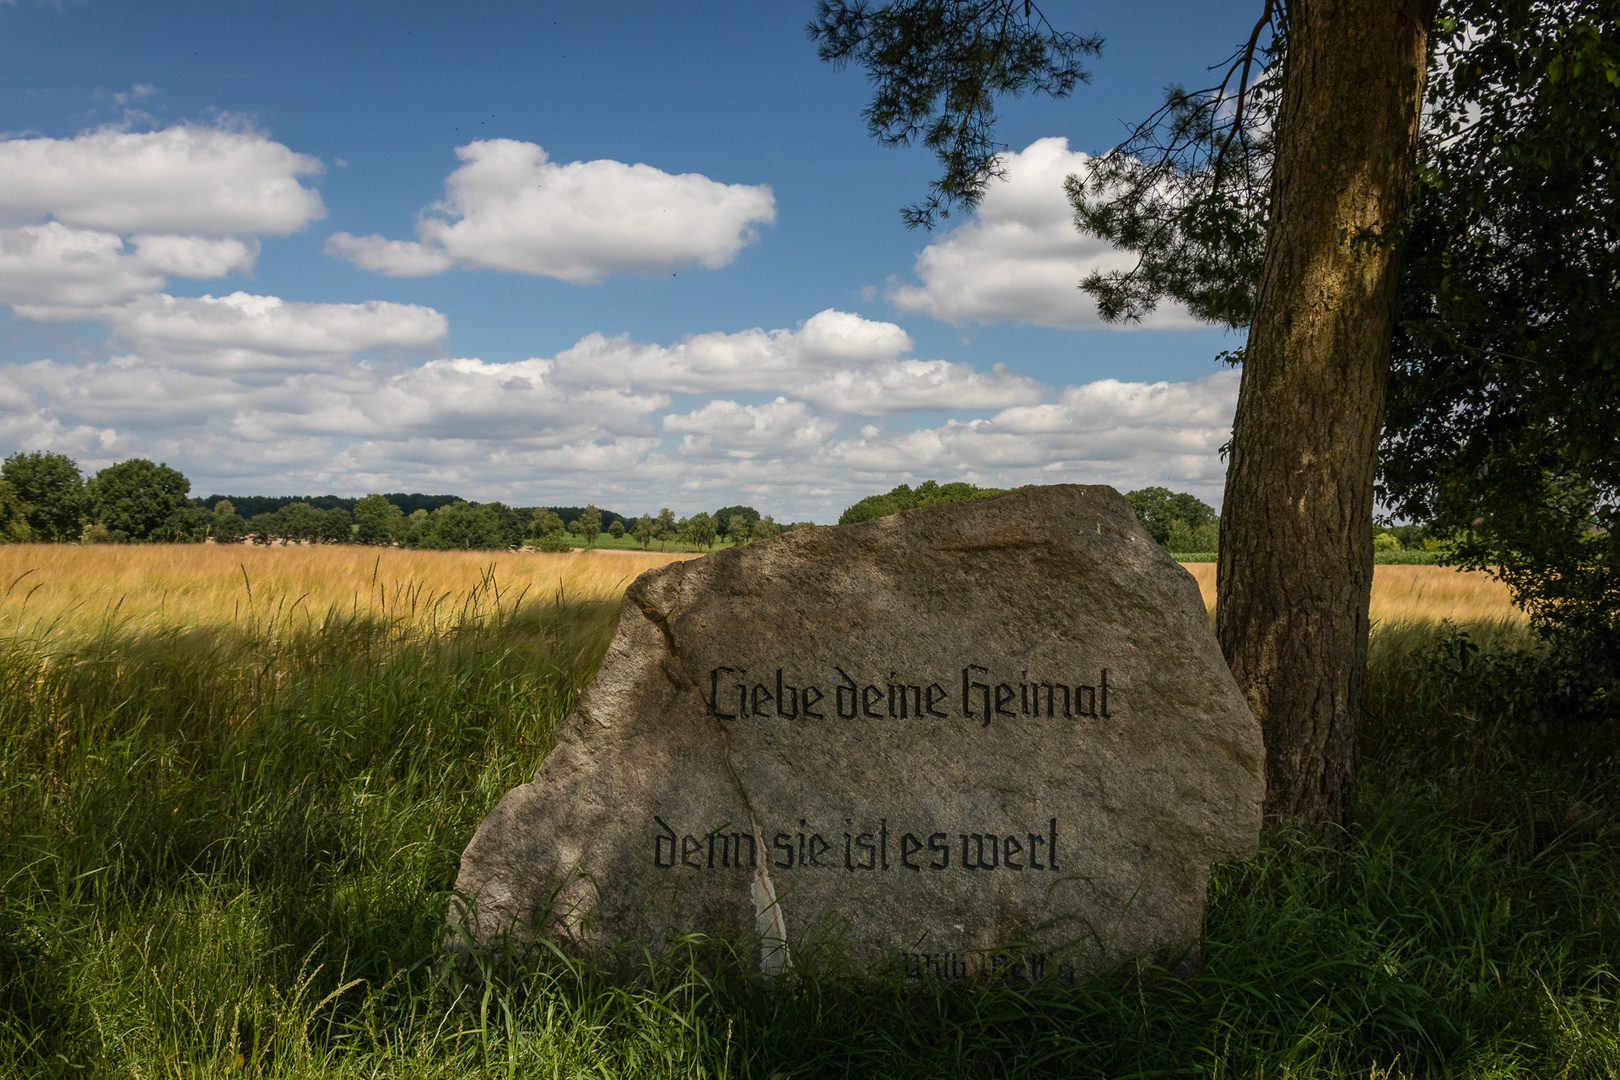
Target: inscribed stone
994,735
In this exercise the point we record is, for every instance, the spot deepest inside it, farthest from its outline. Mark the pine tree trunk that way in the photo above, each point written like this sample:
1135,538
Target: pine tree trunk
1295,573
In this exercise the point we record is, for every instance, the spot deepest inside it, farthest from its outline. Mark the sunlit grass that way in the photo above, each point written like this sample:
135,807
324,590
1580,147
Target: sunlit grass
201,584
1411,594
227,845
176,585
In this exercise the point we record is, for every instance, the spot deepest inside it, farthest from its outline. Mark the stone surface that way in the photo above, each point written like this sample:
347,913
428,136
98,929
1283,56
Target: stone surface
965,736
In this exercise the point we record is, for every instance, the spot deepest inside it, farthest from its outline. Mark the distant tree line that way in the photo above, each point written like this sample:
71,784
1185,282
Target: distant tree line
1183,523
44,498
905,497
251,505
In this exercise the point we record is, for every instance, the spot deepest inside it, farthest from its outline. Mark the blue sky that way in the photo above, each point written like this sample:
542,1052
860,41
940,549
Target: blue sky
638,254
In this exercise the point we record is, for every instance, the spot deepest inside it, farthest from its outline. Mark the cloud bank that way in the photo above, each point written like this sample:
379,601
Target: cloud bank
250,393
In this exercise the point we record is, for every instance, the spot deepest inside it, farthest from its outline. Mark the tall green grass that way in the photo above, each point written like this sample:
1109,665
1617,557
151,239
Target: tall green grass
228,852
1382,558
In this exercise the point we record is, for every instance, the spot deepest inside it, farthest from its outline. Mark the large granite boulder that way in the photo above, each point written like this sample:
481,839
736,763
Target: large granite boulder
995,735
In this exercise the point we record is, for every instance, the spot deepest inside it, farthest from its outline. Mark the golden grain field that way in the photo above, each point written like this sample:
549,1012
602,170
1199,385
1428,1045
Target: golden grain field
199,584
1404,594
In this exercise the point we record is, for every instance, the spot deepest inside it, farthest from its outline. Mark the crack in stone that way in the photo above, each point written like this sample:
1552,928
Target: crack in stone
769,922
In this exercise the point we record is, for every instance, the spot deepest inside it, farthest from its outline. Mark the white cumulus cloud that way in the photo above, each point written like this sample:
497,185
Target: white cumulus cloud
746,431
184,179
392,258
51,271
836,360
200,258
467,398
243,332
1121,433
108,216
509,207
749,360
907,385
1020,258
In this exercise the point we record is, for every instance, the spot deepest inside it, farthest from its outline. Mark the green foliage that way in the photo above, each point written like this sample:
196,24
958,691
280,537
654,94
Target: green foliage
698,530
544,523
1410,537
228,852
575,513
1188,192
411,503
377,521
1182,538
463,526
51,492
590,525
643,530
1501,427
300,522
735,523
936,67
616,530
903,497
416,527
1472,696
250,506
765,528
554,541
137,502
1158,509
296,523
225,525
14,527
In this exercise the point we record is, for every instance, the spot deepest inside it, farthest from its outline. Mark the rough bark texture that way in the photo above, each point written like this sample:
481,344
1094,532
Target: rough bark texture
1295,572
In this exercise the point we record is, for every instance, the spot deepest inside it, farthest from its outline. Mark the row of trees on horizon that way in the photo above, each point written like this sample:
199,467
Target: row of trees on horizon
45,498
1181,522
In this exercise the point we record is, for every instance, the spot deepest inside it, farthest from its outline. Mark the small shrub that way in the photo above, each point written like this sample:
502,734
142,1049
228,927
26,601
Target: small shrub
554,542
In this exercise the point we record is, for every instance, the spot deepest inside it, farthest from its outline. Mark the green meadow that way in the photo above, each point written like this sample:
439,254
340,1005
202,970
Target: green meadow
227,847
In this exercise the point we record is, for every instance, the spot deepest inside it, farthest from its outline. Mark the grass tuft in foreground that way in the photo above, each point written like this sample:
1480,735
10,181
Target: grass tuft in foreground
226,850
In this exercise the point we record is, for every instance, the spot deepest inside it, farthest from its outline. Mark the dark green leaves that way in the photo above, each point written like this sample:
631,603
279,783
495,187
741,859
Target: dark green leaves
138,501
51,491
1504,412
1502,416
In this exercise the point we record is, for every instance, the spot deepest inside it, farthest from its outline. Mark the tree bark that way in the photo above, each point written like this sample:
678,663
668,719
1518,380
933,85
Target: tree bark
1295,573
